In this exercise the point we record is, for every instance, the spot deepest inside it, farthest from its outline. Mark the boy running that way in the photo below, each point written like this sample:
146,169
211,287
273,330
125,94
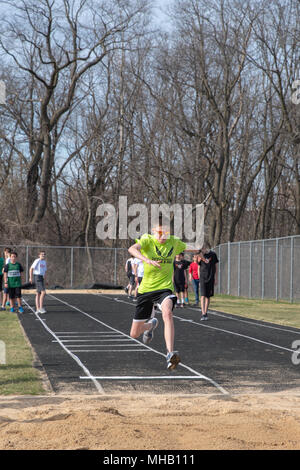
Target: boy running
38,271
157,253
13,281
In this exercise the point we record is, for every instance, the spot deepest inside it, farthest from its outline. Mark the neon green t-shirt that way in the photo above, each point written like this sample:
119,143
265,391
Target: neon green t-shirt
155,278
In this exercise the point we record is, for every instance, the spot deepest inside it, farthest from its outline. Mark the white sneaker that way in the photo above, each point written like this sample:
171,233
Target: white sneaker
148,334
42,310
173,360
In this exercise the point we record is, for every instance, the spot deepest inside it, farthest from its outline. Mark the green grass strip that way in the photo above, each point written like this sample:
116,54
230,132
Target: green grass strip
17,374
281,312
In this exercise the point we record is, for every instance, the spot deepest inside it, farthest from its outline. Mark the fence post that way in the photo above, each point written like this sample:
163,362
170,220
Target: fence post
239,270
292,269
263,271
280,267
250,270
276,268
72,264
115,268
27,264
228,268
219,268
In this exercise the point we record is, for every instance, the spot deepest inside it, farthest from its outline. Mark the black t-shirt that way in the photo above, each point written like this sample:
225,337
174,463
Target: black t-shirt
208,270
179,268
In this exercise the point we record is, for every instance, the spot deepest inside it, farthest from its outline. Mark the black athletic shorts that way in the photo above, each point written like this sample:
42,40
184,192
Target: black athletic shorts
179,286
14,292
207,288
146,302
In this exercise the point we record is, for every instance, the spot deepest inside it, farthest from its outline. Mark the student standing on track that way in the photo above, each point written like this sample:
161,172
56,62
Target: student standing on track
180,280
2,263
157,252
194,277
38,272
130,274
186,264
138,269
13,281
208,277
5,298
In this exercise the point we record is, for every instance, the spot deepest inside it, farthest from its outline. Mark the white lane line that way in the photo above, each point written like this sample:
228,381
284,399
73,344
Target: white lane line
76,359
147,377
208,379
263,325
251,338
102,345
93,340
227,316
109,350
81,333
224,331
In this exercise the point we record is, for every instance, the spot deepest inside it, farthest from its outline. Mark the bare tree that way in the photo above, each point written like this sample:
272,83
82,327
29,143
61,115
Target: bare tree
53,45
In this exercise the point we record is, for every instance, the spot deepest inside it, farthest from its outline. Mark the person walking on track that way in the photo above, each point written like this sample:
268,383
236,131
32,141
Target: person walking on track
208,277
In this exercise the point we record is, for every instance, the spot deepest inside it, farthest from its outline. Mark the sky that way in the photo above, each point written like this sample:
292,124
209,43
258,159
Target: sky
159,11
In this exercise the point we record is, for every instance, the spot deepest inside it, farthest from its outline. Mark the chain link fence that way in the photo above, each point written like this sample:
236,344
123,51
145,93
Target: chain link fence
266,269
77,267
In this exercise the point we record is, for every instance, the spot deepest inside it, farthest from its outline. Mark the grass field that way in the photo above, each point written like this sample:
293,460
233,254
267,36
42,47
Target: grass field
17,375
281,312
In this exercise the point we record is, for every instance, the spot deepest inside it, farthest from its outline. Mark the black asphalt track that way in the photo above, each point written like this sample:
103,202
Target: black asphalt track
84,346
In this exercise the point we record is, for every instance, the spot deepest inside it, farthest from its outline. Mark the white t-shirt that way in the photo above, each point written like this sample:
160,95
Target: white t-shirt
140,267
39,267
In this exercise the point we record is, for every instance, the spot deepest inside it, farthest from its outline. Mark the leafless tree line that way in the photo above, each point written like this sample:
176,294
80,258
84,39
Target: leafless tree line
101,104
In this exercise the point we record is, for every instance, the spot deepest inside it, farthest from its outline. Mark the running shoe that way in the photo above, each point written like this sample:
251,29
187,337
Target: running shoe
204,317
148,334
7,304
3,308
42,310
21,310
12,310
173,360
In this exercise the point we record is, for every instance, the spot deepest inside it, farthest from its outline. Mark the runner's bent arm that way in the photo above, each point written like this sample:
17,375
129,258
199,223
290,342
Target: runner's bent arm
135,250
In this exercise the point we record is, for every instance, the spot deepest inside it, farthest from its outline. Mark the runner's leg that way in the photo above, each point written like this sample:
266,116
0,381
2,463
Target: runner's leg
169,330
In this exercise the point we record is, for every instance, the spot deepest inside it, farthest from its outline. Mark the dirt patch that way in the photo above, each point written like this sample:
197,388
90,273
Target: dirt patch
262,421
